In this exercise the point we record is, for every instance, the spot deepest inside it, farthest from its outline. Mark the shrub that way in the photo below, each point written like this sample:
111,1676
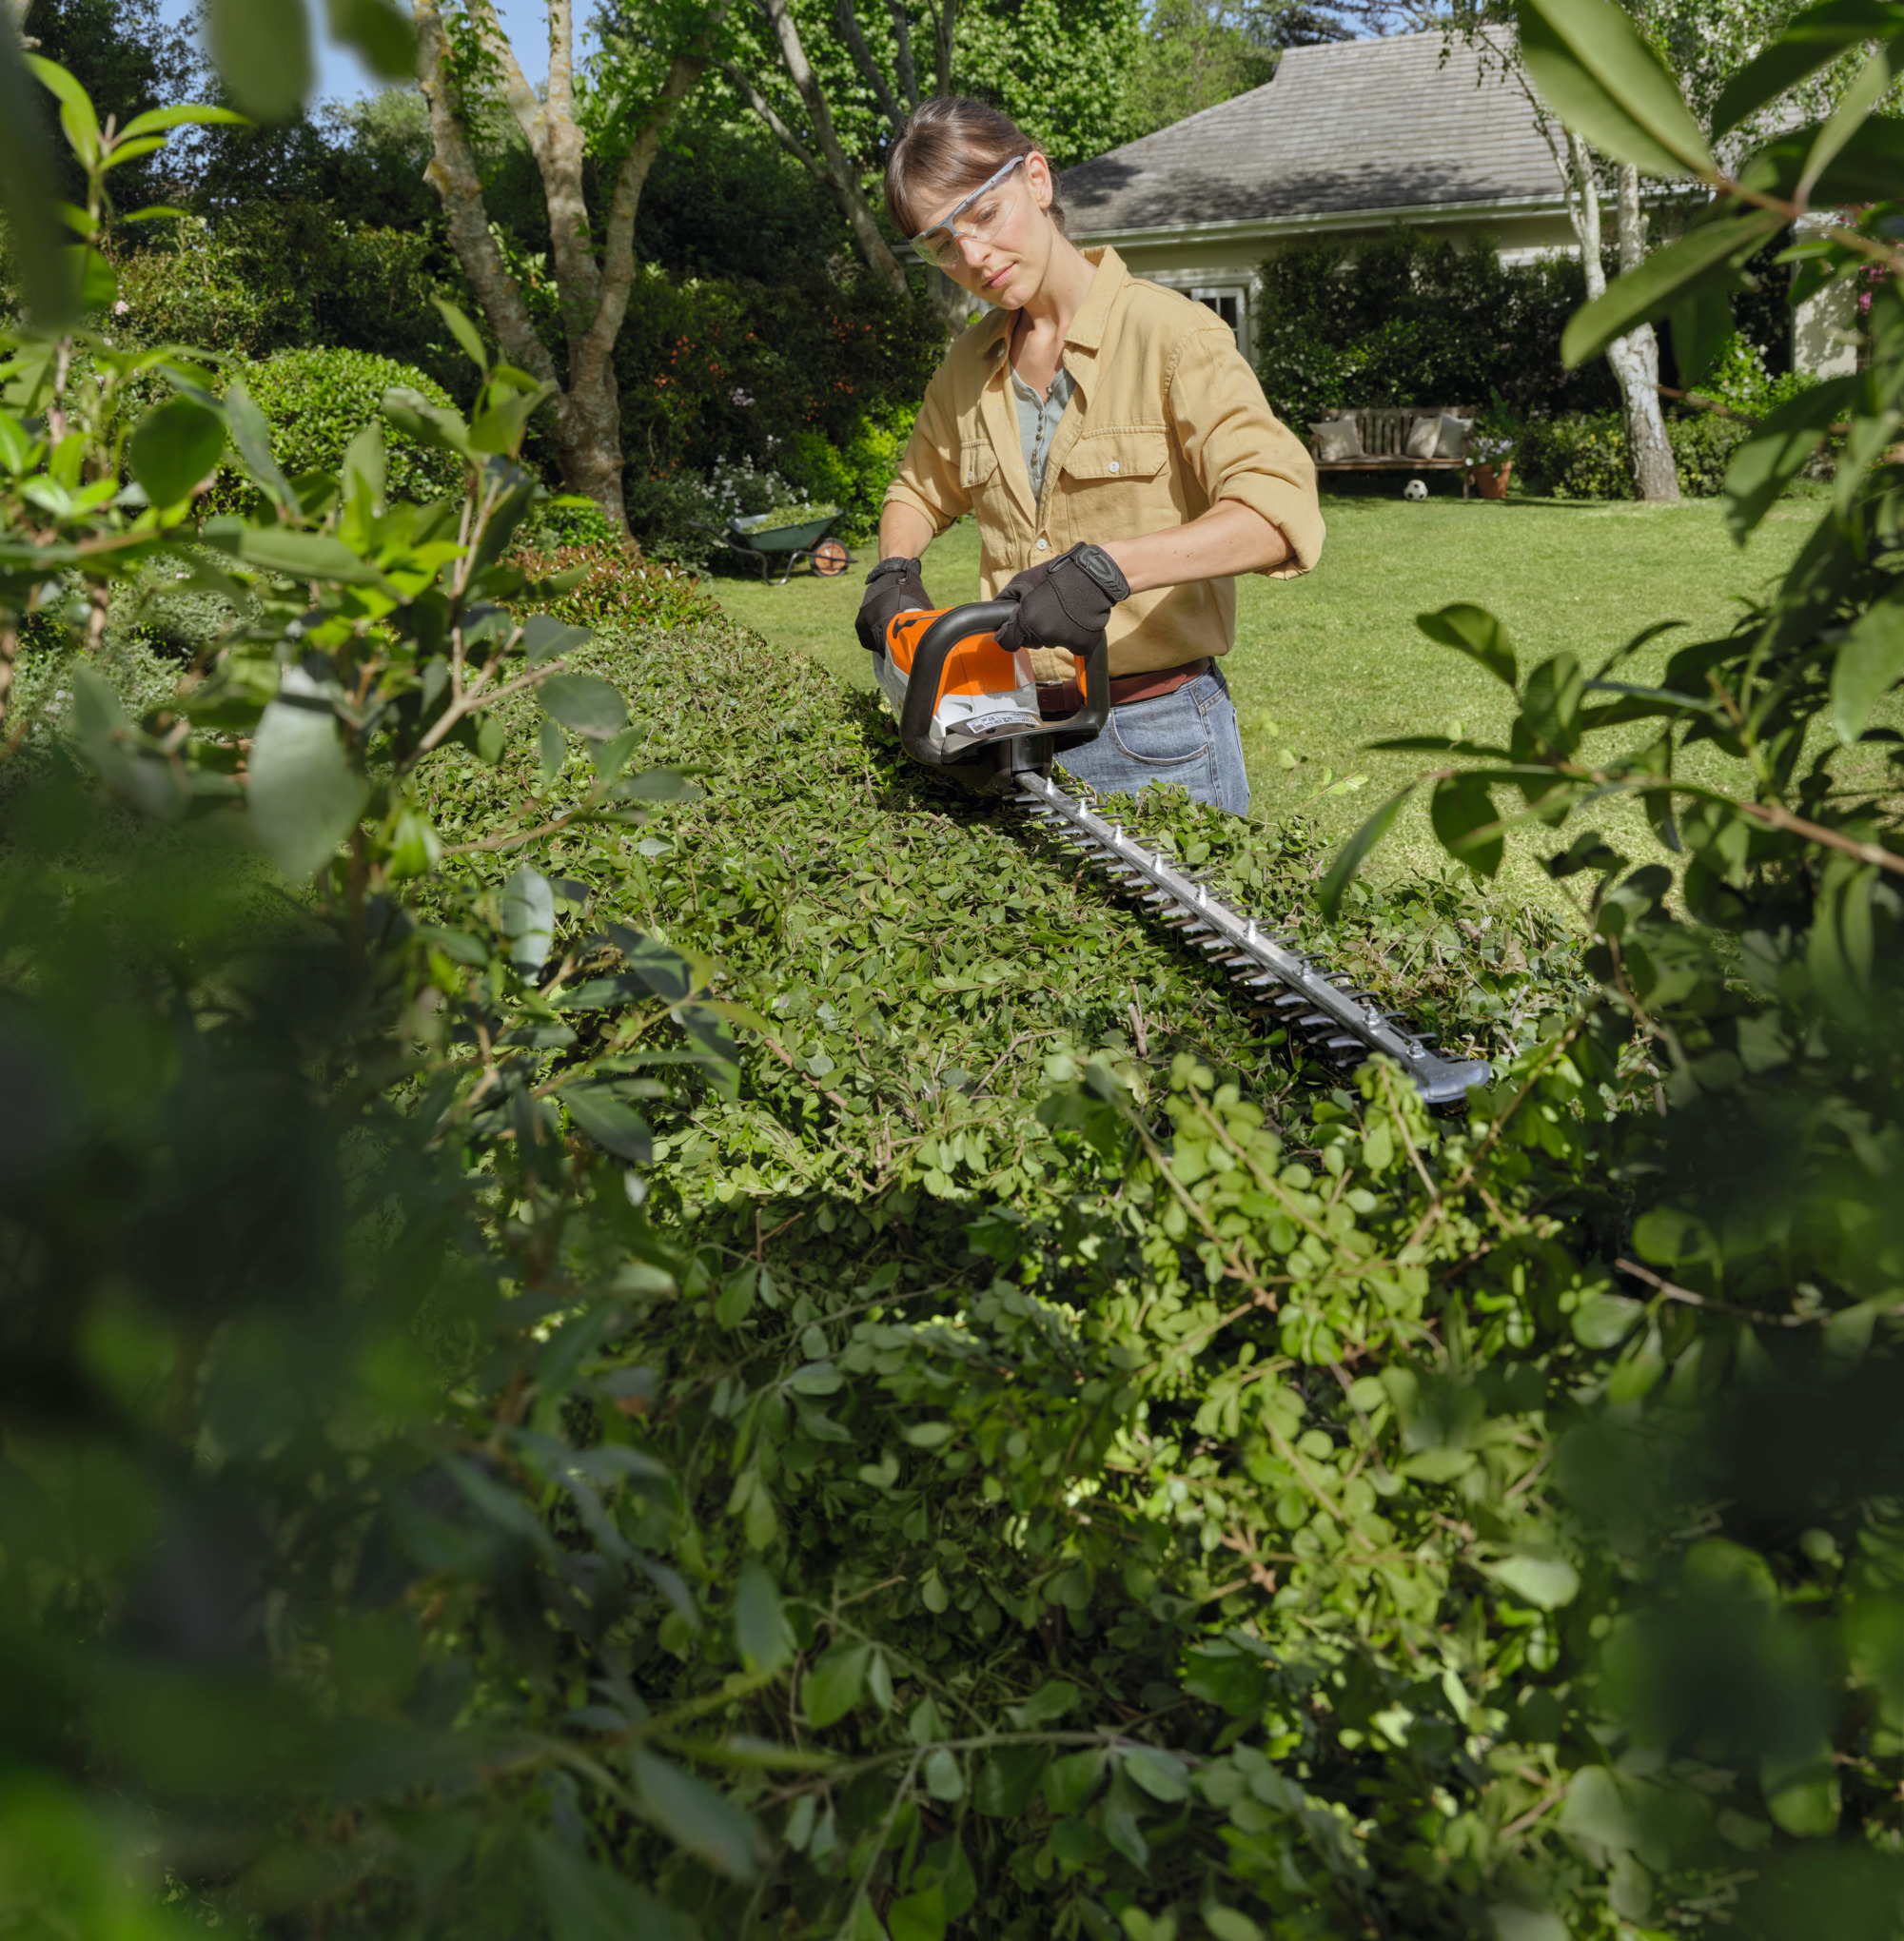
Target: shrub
615,588
1586,456
1410,319
317,400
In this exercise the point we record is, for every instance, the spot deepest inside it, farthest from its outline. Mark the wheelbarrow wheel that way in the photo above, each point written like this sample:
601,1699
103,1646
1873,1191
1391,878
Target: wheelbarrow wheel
831,558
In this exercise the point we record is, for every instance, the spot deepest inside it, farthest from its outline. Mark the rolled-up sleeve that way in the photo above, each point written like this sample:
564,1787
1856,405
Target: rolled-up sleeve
928,478
1240,449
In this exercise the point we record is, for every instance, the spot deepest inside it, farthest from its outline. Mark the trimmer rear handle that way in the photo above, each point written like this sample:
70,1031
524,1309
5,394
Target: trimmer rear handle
928,660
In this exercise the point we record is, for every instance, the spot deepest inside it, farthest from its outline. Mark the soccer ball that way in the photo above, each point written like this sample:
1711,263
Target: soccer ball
1415,488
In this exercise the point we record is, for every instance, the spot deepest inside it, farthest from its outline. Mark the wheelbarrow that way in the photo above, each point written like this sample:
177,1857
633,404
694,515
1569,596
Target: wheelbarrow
828,557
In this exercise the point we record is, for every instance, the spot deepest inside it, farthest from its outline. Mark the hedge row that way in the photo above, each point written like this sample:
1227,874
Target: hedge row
1588,456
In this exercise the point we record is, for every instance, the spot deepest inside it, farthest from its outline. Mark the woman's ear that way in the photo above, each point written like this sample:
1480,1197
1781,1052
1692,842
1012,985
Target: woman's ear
1038,174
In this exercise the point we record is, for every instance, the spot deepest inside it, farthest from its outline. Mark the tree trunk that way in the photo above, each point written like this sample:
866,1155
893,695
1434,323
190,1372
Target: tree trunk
830,165
594,295
1654,470
1635,357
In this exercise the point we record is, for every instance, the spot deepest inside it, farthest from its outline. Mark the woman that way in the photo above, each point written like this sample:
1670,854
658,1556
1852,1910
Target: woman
1112,445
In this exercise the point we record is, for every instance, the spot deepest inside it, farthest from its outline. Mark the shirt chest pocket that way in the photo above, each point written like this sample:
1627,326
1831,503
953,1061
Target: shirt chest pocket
1110,457
978,466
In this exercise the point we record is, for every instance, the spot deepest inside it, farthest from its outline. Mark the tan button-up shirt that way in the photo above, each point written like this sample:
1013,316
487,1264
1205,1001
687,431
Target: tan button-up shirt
1168,418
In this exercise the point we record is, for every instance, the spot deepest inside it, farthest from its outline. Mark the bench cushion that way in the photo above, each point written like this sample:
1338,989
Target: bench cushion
1338,442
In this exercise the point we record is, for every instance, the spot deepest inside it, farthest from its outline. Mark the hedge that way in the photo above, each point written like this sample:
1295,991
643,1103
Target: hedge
317,400
1410,319
1587,456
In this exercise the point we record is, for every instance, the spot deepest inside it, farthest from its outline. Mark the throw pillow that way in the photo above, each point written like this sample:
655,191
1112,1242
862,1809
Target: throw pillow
1424,435
1452,444
1338,440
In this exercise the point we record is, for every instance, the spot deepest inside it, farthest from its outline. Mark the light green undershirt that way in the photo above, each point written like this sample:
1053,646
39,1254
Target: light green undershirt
1038,421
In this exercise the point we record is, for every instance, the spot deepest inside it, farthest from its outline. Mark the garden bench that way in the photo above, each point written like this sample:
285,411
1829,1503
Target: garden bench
1385,437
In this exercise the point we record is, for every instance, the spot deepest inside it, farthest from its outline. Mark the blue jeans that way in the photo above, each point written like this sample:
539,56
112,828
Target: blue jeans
1189,736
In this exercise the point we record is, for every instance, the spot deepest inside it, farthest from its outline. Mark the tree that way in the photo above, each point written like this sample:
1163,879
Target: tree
836,94
459,56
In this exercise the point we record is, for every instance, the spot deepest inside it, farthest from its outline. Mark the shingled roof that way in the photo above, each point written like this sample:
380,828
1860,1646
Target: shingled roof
1344,130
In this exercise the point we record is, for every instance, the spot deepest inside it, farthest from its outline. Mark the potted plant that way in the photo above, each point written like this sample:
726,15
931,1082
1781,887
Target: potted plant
1490,461
1490,450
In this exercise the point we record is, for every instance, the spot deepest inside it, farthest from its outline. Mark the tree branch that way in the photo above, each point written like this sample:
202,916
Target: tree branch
778,129
452,174
516,93
868,68
617,256
839,172
902,41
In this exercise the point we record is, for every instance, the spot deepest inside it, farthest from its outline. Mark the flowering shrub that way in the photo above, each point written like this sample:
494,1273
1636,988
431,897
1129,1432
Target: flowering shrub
1585,456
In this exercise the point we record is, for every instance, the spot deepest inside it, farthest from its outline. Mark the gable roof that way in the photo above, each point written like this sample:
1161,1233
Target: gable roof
1344,129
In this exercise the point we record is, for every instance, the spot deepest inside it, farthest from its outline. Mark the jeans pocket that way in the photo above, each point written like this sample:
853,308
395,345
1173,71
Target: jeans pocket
1166,732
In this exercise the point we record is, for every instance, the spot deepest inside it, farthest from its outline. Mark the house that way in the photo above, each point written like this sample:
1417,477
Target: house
1350,138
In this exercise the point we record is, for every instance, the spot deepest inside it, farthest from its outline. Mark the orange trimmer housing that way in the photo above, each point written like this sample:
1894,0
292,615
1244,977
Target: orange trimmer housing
964,703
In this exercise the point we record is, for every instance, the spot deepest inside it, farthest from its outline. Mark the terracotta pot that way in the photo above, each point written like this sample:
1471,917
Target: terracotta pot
1491,481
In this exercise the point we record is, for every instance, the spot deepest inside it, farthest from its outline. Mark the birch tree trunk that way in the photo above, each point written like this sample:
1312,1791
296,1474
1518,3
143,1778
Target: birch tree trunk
826,160
1635,357
594,290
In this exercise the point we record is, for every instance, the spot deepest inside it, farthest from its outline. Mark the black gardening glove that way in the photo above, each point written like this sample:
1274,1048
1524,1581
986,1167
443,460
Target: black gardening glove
893,587
1065,603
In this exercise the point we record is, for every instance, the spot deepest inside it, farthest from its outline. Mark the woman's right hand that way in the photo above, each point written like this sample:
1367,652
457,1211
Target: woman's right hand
893,587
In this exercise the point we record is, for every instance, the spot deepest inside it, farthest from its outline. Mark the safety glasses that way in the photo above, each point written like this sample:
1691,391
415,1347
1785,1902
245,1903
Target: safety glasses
988,209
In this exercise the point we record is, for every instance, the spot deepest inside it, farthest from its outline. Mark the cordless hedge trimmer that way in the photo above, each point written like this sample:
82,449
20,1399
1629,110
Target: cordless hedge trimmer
970,707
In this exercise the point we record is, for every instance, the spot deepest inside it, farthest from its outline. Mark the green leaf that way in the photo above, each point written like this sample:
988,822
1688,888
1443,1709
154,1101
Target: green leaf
1706,256
365,472
1160,1774
760,1628
696,1816
544,636
262,53
583,1901
173,447
1461,807
462,330
1545,1581
607,1113
304,795
1776,453
552,751
1008,1781
1352,855
529,918
380,33
27,189
1070,1782
1602,79
305,556
584,704
1475,632
944,1776
1873,83
1866,667
1811,40
188,114
1551,702
77,116
429,424
1801,1793
1226,1924
1702,327
831,1688
921,1916
251,439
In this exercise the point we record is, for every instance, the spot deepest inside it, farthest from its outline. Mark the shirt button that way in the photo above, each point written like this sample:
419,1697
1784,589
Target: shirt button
1041,545
1113,465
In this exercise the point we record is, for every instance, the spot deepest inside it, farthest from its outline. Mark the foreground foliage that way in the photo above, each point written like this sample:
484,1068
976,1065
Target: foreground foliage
698,1338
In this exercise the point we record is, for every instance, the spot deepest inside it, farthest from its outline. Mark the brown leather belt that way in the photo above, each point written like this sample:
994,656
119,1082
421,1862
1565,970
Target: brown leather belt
1066,697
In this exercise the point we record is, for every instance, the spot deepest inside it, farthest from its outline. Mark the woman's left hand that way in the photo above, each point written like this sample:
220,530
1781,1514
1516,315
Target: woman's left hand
1064,602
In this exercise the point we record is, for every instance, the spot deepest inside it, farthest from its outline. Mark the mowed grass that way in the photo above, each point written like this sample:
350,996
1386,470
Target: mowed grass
1326,664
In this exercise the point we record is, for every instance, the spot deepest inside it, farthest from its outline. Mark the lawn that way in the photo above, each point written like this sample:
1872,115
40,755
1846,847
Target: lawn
1326,664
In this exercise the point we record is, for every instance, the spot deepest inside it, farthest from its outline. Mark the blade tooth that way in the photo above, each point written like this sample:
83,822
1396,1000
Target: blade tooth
1289,998
1343,1044
1315,1020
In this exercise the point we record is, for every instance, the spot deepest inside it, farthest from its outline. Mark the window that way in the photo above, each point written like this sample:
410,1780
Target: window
1230,303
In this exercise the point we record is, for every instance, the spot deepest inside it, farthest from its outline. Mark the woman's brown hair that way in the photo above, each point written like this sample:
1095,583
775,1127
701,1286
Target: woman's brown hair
947,147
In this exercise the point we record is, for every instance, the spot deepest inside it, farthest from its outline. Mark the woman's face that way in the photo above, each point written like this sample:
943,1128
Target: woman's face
1005,239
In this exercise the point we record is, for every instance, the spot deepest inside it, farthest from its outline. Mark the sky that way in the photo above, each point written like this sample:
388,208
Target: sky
341,77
